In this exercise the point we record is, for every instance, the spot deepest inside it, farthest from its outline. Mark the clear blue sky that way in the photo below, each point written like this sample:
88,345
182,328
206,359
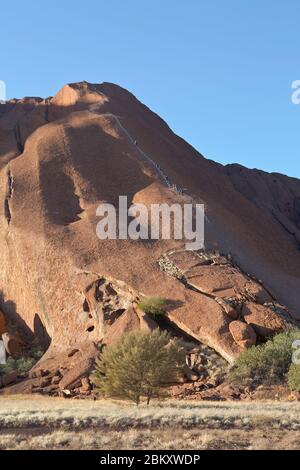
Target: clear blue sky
219,72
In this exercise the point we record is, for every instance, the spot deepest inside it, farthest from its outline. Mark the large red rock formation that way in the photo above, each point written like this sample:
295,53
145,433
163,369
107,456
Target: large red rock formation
61,157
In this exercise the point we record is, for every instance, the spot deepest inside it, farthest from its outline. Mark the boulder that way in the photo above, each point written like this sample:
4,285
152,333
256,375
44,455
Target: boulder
190,374
220,281
70,379
257,292
85,384
62,362
129,321
242,333
226,281
264,321
38,373
8,379
204,319
229,391
146,322
56,379
228,309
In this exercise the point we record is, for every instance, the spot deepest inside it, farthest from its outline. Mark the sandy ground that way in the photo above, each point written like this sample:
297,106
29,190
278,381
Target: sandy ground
50,423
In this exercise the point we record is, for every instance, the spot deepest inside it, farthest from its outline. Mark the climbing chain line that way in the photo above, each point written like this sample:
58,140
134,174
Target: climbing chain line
174,187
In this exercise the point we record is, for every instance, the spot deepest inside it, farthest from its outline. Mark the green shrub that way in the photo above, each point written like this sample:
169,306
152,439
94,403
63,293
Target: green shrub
36,352
138,365
154,306
23,364
293,377
267,363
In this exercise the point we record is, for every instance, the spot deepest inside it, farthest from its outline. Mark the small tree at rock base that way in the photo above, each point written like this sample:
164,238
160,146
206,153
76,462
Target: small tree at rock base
268,363
138,365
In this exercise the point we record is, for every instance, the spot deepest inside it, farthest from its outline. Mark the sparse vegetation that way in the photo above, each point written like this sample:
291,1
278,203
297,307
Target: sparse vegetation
138,365
35,422
267,363
23,364
293,377
154,306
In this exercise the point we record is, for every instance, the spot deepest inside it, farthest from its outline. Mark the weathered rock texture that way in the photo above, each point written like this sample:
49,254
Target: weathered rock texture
263,320
244,335
61,157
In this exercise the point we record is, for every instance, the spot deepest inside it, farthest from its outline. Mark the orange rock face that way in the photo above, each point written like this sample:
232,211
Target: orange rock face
204,319
263,320
243,334
61,157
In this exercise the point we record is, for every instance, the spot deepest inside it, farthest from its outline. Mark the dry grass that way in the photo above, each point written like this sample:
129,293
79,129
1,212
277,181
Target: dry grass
50,423
167,439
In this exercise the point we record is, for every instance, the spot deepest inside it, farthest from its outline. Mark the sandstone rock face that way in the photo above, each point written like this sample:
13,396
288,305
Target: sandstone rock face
61,157
205,321
264,321
128,322
275,193
243,334
225,282
3,327
8,379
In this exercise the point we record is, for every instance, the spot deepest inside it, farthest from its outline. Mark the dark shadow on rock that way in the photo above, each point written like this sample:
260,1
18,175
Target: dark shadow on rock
40,332
16,324
172,304
14,320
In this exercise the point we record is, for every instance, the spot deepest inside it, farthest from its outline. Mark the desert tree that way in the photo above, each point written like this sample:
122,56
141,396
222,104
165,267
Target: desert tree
138,365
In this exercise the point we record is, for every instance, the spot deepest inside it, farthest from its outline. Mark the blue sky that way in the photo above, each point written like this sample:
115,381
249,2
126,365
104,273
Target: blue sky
219,72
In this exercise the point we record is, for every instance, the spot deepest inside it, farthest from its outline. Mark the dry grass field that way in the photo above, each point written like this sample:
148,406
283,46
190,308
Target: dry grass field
48,423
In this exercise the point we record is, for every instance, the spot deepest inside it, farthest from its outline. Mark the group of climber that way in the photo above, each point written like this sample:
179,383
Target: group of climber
174,187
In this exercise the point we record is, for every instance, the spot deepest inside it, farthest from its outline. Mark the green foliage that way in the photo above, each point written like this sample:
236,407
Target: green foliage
138,365
293,377
23,364
154,306
36,353
267,363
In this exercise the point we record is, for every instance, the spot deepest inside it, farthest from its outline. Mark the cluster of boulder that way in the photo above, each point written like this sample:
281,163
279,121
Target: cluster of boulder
66,372
241,311
257,321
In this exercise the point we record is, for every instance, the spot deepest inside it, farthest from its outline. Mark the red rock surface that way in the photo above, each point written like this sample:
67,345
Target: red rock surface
61,157
204,319
129,321
243,334
263,320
